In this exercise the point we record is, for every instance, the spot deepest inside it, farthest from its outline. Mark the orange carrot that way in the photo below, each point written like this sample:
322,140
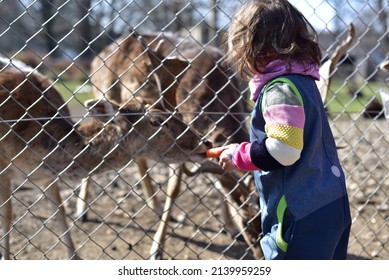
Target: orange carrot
214,152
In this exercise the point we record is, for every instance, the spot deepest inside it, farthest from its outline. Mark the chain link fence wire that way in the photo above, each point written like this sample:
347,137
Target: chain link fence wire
59,39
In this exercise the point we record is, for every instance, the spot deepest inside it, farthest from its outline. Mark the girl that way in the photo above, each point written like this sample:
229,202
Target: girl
303,198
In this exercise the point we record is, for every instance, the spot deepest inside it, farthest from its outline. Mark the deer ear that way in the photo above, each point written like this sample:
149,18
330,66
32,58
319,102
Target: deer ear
169,74
174,70
169,71
172,64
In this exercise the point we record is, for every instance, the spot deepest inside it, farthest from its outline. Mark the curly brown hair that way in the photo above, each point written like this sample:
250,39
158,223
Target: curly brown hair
265,30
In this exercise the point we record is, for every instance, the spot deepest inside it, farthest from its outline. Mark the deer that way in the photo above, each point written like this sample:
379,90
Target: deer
41,145
374,108
134,66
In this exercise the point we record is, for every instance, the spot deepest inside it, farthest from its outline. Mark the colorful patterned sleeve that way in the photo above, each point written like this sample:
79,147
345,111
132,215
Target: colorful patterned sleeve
285,118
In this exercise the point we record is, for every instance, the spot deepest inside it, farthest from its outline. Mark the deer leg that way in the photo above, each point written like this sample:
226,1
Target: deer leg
173,189
148,188
239,196
81,204
5,216
228,221
52,193
247,215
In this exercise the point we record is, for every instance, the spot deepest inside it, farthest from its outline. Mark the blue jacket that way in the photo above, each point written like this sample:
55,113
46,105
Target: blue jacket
316,179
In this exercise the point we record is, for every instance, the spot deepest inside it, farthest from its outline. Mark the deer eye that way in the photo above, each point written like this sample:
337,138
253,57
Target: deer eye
156,121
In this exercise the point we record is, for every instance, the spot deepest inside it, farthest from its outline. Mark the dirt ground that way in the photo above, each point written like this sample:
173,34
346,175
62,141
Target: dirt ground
364,154
121,226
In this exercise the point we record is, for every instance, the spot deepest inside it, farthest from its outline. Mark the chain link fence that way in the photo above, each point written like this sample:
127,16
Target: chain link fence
125,192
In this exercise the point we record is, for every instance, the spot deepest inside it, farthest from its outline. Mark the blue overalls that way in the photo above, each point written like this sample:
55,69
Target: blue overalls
304,207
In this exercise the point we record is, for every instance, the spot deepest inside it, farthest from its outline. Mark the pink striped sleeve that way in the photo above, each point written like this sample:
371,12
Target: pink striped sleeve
241,157
284,114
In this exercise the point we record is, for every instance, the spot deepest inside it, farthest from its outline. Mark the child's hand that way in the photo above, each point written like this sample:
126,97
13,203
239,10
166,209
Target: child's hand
225,160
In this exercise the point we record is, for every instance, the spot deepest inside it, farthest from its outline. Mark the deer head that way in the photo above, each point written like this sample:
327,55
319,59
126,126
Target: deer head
146,129
138,71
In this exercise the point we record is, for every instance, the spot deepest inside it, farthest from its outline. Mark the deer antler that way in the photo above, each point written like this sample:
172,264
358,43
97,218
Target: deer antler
328,67
384,66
